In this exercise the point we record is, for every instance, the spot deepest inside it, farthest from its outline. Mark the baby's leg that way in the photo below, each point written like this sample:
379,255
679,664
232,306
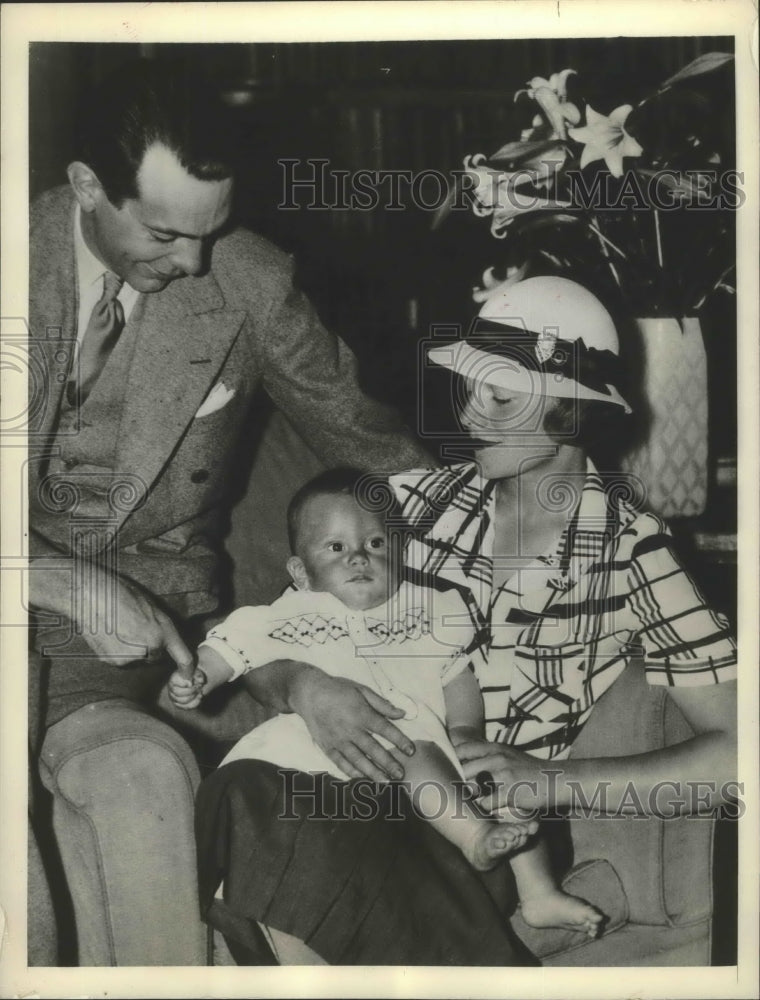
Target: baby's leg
542,903
439,794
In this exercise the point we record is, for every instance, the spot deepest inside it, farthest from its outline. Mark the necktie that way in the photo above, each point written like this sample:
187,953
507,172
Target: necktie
105,325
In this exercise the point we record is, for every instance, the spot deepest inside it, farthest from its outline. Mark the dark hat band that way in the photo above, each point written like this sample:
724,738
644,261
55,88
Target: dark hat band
548,355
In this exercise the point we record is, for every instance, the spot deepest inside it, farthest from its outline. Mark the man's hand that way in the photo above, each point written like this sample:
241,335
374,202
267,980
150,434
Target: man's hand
344,719
145,627
139,629
120,622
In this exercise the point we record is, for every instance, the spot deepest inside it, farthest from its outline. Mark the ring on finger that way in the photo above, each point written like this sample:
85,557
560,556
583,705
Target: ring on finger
486,782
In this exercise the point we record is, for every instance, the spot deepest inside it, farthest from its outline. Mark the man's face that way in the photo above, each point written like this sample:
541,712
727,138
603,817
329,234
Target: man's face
166,232
343,549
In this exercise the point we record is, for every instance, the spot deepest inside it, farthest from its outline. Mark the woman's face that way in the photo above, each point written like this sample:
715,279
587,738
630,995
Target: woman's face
507,429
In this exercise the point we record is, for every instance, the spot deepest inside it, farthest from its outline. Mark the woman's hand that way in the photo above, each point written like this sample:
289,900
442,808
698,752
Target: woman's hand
517,776
459,735
344,719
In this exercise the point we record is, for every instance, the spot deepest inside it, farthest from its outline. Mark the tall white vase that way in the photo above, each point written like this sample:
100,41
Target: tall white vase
672,460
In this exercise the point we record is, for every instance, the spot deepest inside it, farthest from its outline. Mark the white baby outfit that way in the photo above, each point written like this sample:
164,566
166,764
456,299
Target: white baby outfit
407,650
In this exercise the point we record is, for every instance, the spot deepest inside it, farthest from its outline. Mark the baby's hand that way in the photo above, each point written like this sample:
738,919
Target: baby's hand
187,692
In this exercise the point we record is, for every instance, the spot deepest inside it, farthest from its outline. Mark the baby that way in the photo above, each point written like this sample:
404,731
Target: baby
352,617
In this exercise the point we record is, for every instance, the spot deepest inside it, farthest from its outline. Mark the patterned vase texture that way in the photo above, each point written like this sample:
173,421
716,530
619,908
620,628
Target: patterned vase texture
671,461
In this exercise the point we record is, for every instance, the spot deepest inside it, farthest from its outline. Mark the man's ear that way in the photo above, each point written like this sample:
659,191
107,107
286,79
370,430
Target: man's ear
85,185
298,573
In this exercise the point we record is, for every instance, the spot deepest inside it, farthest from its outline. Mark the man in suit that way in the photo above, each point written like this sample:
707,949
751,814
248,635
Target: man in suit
153,323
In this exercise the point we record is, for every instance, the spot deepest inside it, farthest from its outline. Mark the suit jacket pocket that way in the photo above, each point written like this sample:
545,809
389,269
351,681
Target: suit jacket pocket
198,473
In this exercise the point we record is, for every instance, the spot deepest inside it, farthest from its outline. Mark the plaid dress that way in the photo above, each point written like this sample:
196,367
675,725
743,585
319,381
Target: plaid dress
551,640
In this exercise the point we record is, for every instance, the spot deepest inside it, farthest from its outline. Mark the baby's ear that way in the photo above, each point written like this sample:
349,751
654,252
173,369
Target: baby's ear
298,573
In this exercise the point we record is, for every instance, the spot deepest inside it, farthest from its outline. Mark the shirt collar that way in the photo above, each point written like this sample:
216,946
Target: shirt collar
590,527
405,597
89,268
473,498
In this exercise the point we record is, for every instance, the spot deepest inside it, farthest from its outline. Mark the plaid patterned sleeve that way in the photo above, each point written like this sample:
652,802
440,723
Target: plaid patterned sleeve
684,641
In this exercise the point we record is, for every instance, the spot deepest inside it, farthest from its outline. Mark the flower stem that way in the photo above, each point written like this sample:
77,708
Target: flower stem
603,241
657,234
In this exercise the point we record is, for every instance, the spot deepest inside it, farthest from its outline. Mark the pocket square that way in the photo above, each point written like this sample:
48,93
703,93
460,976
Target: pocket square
219,396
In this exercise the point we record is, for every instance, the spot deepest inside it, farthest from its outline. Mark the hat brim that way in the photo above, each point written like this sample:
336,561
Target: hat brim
507,373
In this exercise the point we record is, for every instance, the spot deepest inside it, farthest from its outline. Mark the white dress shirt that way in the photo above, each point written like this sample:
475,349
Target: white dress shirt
90,278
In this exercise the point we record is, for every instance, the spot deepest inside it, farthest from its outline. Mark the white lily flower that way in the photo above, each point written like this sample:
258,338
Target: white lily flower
551,96
500,193
605,138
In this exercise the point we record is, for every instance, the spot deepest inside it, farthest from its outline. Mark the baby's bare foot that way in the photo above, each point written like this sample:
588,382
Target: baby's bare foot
491,842
558,909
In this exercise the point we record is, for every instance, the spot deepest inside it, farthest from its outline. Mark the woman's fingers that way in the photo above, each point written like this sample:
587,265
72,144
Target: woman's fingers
474,750
509,784
380,725
380,704
379,757
492,762
344,764
351,720
504,803
368,759
362,765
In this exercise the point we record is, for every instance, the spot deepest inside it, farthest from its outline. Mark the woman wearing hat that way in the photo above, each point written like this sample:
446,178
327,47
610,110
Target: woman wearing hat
564,582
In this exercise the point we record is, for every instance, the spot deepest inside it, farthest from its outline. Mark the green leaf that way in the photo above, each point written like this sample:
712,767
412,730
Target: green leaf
703,64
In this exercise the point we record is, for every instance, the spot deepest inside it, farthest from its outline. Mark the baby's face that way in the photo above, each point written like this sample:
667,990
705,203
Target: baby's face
342,549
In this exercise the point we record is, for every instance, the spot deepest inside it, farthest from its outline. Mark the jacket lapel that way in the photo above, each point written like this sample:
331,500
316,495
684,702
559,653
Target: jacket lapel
184,338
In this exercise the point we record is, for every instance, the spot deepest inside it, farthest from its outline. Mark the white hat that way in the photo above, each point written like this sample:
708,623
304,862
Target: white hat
542,336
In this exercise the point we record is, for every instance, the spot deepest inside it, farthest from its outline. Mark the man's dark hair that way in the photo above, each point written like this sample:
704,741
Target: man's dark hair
372,492
144,103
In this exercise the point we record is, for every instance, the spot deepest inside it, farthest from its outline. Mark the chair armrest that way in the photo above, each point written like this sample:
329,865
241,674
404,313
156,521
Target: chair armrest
664,864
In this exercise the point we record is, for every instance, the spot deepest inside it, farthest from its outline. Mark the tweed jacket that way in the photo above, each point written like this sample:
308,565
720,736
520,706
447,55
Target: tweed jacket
238,327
